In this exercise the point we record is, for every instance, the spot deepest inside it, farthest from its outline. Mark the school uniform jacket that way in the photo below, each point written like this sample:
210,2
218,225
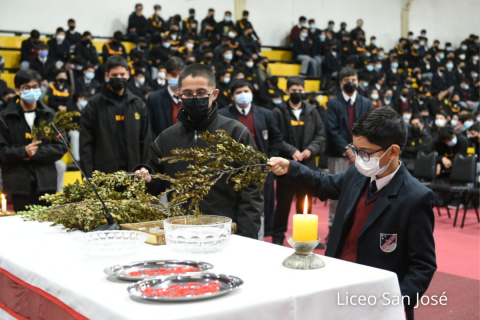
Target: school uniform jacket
403,211
15,135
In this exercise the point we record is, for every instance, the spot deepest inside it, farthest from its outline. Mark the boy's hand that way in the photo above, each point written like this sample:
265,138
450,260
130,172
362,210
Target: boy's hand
297,156
144,174
32,148
280,166
306,154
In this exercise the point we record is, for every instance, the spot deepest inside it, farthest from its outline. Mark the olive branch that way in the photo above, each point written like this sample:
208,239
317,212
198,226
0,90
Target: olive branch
63,120
128,201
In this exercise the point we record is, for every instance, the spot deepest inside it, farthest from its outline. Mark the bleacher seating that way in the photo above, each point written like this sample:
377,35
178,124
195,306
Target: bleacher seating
281,65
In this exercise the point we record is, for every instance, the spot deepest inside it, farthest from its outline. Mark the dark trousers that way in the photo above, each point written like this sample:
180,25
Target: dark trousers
269,199
285,194
20,201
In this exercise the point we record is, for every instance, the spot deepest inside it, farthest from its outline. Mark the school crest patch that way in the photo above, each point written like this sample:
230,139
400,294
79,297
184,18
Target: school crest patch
388,242
265,134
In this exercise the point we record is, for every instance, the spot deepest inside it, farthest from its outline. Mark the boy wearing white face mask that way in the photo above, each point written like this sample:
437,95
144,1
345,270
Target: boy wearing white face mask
266,134
28,167
385,216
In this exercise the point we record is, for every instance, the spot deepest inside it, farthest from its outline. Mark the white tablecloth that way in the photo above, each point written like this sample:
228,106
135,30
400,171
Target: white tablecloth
47,257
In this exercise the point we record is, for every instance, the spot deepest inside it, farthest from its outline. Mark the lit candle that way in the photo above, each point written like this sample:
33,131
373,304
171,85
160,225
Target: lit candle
305,226
4,204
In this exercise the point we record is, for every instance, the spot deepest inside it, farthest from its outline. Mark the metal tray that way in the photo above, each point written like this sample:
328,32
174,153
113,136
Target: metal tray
227,284
122,271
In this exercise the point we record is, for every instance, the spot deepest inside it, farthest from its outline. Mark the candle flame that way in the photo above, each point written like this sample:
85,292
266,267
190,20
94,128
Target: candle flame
305,206
3,197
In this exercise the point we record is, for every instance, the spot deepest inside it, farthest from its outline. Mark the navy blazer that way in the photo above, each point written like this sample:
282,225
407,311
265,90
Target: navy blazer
81,87
338,132
159,106
269,136
404,208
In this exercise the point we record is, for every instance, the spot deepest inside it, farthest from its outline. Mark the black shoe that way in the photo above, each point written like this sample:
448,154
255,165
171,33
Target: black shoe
277,242
320,246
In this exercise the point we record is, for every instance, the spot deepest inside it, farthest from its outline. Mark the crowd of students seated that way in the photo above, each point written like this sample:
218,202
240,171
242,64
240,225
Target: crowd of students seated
434,86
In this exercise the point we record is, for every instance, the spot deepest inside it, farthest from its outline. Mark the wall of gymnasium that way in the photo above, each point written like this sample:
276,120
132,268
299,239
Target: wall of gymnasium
446,20
100,17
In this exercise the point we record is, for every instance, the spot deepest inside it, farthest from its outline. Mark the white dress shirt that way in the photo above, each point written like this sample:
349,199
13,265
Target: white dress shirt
382,182
353,97
172,94
246,109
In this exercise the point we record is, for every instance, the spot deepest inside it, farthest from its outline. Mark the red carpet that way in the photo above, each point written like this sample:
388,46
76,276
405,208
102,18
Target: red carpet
458,264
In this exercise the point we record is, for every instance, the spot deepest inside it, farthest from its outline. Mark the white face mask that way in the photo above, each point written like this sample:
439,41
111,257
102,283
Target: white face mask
372,167
161,75
141,81
440,123
189,45
60,37
249,64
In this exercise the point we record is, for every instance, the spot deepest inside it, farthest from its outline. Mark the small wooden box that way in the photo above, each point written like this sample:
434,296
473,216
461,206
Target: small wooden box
154,229
7,213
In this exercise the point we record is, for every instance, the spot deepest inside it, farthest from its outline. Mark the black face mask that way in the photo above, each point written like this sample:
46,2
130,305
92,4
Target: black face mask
405,94
61,81
71,28
416,129
118,84
196,108
143,47
349,87
86,42
296,97
474,139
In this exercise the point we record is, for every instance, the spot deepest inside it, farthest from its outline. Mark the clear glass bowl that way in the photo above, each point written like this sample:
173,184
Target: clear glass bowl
204,234
111,243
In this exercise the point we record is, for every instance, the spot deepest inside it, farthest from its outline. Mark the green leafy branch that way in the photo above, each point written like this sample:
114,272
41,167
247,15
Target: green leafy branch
223,158
63,120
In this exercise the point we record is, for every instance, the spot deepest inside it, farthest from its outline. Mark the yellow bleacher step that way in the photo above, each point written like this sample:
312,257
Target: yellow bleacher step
9,79
12,58
277,54
15,42
285,69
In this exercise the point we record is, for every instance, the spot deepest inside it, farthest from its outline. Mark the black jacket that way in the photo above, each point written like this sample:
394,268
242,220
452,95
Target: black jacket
302,47
113,48
404,208
338,131
137,22
313,132
58,97
59,52
417,143
269,137
244,207
46,70
332,63
87,51
159,106
444,150
99,129
15,135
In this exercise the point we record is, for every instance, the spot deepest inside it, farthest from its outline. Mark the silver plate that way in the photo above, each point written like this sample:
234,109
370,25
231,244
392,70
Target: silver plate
227,284
122,271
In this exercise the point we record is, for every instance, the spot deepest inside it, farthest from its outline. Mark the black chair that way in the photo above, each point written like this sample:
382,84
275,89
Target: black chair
463,173
425,167
473,196
425,170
